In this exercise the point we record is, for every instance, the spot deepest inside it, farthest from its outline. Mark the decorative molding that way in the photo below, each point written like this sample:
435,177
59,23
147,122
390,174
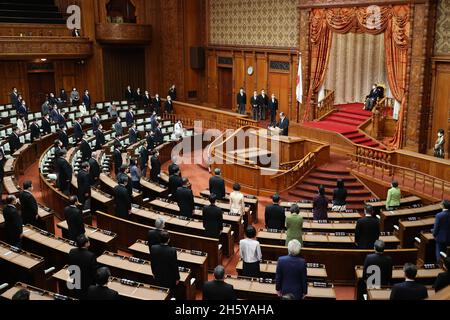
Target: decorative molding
127,33
225,60
280,65
48,47
33,30
255,23
307,4
442,44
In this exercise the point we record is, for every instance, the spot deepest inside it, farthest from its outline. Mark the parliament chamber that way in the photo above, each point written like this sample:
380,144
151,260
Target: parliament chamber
179,150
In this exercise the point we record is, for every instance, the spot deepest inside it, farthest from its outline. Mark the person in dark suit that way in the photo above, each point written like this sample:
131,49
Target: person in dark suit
320,205
217,184
122,198
62,119
129,117
22,110
367,229
86,261
143,158
212,218
74,219
84,186
14,96
100,291
63,96
78,130
172,92
95,122
175,182
129,95
168,106
99,137
150,138
241,101
62,136
372,97
123,172
274,214
218,289
117,157
340,196
154,121
157,104
410,289
273,108
117,127
173,167
441,230
76,33
18,103
133,134
147,100
21,295
159,137
87,100
54,114
291,273
283,125
13,222
164,263
94,169
379,259
46,126
64,170
155,170
28,204
2,173
443,279
52,99
254,102
35,131
14,140
263,100
85,149
154,235
185,199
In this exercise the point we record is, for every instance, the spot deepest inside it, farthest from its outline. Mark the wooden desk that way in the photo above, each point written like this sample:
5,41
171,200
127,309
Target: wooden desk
20,265
197,261
101,240
407,201
55,250
427,247
10,167
340,263
268,270
389,218
323,240
123,267
128,232
10,184
248,288
409,229
250,201
152,190
127,290
36,294
189,226
25,155
100,200
425,276
384,294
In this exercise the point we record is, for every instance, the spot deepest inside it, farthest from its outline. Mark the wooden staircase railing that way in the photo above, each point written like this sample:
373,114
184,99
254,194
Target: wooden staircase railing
325,106
377,165
379,115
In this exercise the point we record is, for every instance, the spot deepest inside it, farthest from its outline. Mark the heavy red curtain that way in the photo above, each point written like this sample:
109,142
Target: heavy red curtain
392,20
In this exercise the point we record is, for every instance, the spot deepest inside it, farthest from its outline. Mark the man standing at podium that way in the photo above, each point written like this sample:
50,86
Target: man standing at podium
283,125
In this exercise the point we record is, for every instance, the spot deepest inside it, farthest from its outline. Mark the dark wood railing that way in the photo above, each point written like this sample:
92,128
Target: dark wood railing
325,106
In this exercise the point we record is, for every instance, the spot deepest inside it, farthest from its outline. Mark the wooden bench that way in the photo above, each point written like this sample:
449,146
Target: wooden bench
128,232
254,289
389,218
140,270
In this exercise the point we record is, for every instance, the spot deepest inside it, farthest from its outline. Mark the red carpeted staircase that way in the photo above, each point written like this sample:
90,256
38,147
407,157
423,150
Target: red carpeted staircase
346,121
327,176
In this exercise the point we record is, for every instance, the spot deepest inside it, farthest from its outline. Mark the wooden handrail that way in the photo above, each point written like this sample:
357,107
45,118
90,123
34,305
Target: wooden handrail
325,106
385,171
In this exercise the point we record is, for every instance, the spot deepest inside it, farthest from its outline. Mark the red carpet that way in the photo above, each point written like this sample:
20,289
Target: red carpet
346,122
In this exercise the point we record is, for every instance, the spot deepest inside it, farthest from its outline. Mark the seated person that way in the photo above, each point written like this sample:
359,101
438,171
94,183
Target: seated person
371,99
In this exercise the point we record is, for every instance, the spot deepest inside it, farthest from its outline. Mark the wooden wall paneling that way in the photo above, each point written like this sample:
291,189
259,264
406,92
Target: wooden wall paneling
250,80
13,74
440,105
261,71
213,89
238,72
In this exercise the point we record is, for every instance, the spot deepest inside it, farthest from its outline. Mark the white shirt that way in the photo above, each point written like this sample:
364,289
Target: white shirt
178,130
237,202
21,125
250,250
82,109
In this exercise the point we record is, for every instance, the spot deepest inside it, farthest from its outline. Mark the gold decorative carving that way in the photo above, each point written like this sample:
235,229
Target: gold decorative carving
123,33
